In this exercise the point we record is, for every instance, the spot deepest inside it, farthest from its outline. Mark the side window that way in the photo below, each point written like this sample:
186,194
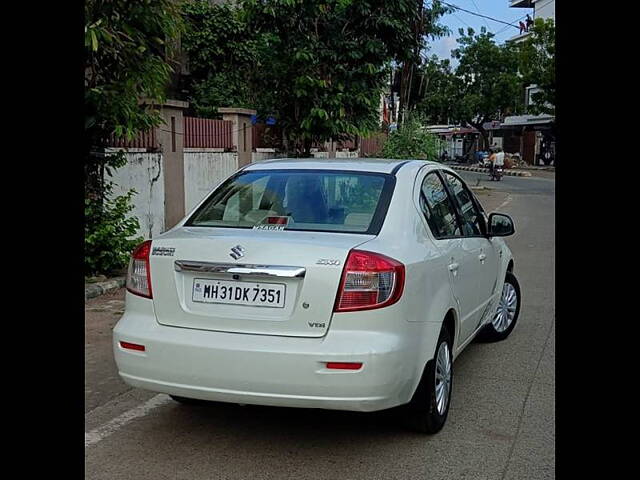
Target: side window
472,220
437,208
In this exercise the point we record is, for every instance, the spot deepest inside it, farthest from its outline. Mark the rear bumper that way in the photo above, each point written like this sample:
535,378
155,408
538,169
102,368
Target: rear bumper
269,370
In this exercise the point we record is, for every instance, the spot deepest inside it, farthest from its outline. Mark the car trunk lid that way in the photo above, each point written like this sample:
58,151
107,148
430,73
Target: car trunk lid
299,271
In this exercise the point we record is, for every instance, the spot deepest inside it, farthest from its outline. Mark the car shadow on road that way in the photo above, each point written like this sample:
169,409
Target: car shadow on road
268,442
268,427
292,421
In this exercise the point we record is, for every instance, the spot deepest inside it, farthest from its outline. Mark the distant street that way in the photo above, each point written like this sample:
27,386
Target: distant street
501,424
541,182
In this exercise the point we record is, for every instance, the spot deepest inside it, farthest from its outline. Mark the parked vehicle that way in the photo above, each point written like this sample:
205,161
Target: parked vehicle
336,284
482,158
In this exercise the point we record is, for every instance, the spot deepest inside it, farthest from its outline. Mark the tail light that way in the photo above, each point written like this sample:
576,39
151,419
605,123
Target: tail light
133,346
369,280
139,274
344,365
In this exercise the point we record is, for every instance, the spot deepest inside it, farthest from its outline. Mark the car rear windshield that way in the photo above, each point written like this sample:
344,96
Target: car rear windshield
314,200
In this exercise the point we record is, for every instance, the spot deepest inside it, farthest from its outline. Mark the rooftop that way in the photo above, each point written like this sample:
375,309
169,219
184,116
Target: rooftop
519,120
521,3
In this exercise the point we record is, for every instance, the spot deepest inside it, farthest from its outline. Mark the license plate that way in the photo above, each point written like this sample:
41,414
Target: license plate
239,293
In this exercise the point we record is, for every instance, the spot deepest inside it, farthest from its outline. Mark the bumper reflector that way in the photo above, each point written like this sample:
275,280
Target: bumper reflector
344,365
132,346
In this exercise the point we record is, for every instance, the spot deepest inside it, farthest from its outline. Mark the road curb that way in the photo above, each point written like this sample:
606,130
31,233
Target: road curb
92,290
510,173
538,168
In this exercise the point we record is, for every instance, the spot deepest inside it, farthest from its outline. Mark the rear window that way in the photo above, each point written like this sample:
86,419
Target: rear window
314,200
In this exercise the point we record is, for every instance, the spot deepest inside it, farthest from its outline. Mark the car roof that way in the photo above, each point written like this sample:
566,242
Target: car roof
378,165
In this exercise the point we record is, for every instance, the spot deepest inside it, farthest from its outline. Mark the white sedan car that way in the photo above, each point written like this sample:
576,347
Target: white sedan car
337,284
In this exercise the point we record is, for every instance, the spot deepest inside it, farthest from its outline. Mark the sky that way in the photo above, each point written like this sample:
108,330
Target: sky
498,9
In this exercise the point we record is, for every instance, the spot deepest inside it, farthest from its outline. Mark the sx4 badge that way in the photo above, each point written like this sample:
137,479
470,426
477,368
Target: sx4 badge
328,261
163,251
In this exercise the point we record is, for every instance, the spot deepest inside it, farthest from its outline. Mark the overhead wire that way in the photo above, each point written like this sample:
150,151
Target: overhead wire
456,7
505,28
461,20
476,14
478,10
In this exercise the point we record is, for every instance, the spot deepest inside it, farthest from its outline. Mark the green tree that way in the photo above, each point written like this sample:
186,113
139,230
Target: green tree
537,64
318,66
487,79
127,47
329,61
485,85
425,26
437,89
225,58
126,61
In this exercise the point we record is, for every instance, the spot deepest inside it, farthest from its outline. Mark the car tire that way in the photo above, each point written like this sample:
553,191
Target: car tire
506,316
424,413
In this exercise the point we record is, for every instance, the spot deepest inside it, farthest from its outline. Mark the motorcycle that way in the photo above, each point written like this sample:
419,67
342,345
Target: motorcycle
495,172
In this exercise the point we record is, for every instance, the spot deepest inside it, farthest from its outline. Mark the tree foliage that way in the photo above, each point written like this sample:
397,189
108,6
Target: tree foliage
537,64
327,62
410,76
484,86
127,43
109,233
225,57
319,67
411,140
126,61
486,79
439,89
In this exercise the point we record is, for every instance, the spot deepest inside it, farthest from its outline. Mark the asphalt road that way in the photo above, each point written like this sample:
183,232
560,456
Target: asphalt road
541,182
501,424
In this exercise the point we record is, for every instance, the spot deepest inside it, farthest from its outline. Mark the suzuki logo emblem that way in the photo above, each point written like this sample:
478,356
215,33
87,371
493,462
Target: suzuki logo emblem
237,252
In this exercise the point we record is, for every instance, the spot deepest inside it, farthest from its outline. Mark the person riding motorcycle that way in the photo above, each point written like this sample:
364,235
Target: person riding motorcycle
496,160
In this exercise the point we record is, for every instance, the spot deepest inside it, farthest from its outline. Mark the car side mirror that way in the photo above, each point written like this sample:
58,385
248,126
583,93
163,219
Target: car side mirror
500,225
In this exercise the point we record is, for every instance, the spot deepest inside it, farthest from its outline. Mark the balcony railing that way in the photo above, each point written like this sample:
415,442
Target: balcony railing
520,37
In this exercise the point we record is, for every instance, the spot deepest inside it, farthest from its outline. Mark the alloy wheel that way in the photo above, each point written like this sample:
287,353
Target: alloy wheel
507,307
443,377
